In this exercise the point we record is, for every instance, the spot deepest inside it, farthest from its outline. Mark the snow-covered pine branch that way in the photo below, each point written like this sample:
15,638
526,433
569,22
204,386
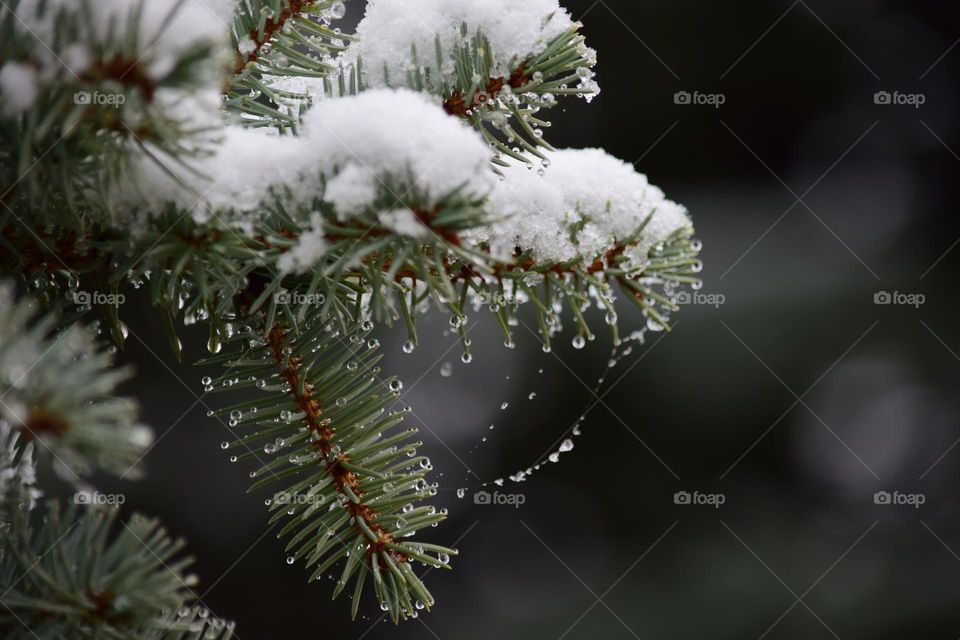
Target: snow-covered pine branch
288,185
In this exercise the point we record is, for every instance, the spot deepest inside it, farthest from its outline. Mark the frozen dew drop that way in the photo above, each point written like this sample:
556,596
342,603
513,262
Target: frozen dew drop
533,394
654,325
461,493
338,10
554,457
566,445
504,405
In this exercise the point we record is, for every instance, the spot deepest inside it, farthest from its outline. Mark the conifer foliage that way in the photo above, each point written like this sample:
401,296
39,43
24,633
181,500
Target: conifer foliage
254,169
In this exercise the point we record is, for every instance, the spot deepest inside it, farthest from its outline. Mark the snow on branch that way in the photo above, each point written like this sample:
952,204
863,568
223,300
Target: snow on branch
578,209
380,147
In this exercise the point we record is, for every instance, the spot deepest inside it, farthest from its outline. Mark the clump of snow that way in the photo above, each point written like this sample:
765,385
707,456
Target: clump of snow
517,30
18,87
585,203
351,190
400,135
309,250
404,222
359,144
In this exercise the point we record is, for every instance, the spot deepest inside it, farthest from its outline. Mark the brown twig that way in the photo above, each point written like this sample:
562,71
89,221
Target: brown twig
324,431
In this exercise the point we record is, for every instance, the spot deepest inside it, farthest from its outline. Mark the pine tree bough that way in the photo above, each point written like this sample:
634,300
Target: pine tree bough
288,186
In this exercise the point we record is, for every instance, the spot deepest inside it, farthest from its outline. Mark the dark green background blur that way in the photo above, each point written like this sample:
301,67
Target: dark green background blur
797,399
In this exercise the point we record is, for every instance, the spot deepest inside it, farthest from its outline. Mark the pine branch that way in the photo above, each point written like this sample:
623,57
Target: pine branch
72,576
352,479
276,39
57,389
94,82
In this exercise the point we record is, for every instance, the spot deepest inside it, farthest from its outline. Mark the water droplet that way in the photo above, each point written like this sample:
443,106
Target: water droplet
461,493
446,369
396,385
566,445
408,346
533,394
504,405
224,445
578,342
466,358
290,559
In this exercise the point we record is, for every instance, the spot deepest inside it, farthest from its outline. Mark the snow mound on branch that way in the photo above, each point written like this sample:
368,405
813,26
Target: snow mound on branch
516,29
586,202
359,144
400,134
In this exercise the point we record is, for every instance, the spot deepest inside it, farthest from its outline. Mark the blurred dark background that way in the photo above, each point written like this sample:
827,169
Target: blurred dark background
796,400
